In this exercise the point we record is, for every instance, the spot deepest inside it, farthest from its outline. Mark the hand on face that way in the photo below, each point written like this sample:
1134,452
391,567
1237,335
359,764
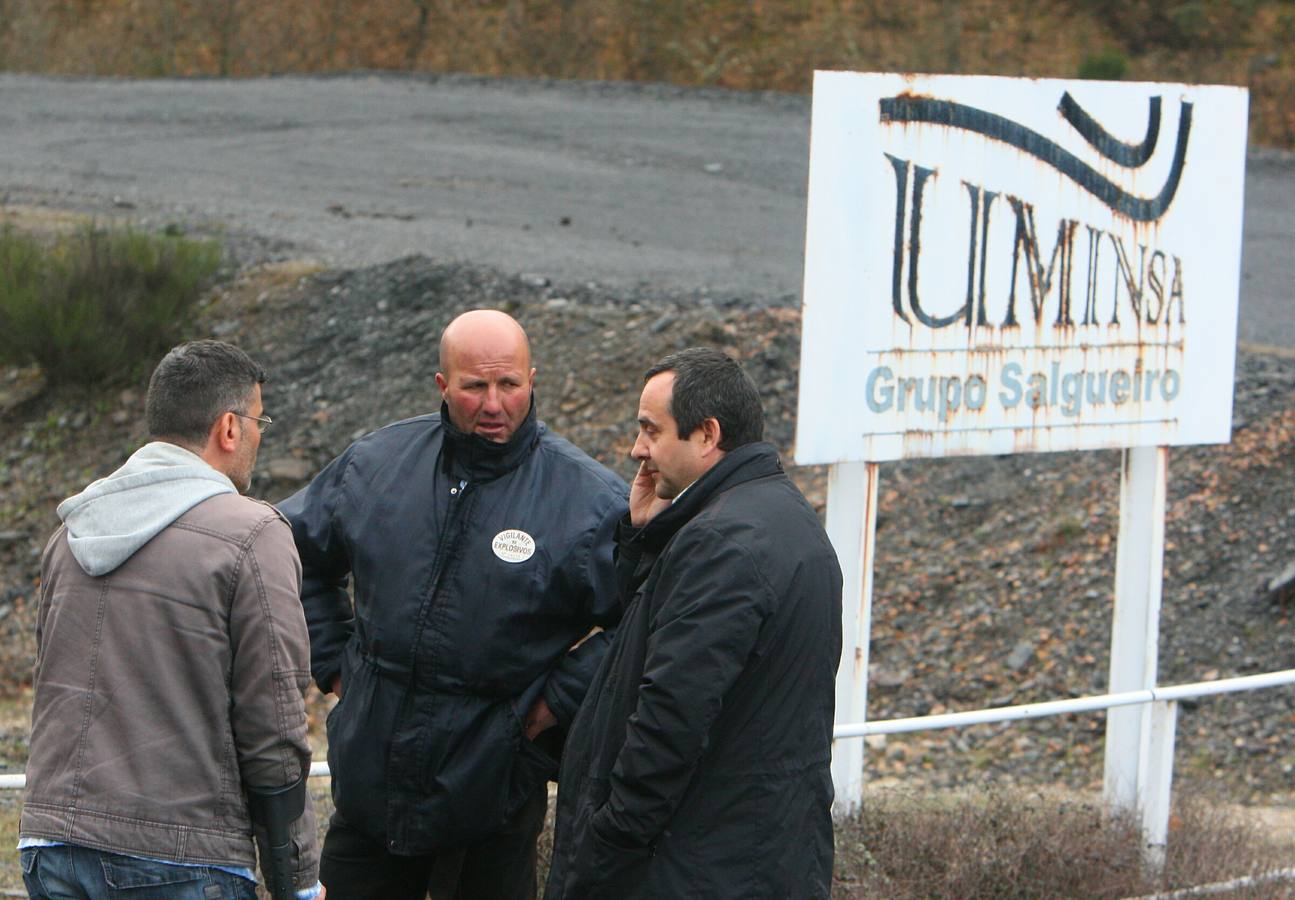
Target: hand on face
644,502
668,463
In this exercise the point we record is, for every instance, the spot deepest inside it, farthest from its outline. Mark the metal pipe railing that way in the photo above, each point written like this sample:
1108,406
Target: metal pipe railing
319,768
1061,707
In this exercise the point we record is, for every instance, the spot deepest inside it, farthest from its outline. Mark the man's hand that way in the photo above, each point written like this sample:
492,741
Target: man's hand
539,718
644,503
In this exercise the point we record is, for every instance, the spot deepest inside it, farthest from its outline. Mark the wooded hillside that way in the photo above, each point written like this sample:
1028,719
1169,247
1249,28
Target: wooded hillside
747,44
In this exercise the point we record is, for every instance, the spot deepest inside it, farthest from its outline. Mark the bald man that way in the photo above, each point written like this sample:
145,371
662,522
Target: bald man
479,548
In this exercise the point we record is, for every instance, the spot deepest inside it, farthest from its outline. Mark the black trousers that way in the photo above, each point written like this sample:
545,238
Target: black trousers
355,866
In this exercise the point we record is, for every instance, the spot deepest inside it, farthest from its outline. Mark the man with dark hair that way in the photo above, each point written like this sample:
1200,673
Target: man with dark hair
479,547
171,662
698,765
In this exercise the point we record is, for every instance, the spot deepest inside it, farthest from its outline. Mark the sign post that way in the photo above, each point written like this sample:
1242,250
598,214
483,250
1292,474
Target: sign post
1135,630
852,528
998,265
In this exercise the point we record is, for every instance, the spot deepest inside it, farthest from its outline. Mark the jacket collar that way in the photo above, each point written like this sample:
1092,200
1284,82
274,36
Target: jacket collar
746,463
473,458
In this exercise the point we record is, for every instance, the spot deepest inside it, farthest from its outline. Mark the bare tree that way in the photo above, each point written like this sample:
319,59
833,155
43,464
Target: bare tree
6,26
419,39
332,40
223,18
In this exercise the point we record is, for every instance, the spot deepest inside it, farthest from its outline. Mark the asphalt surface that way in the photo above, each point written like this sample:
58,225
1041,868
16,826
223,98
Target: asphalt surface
577,182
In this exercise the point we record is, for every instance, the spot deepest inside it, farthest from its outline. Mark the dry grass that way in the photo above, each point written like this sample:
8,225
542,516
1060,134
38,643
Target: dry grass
769,45
1040,845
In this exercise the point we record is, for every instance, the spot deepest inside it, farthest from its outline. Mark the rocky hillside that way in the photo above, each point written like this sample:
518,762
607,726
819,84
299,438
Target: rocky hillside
994,575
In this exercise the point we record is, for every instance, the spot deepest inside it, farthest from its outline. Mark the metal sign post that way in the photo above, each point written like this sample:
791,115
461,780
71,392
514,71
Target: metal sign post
852,528
1135,628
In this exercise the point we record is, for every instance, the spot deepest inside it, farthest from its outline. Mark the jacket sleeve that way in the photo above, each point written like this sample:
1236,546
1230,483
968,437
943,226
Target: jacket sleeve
565,689
269,675
325,569
713,604
43,608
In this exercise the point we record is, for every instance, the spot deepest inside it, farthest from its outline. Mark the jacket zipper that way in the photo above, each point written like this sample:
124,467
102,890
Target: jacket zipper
457,505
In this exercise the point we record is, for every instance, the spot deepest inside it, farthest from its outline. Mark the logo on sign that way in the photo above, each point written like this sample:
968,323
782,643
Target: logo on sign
513,545
1150,279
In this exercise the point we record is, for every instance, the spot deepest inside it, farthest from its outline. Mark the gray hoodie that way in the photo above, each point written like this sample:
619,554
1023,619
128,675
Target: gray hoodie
116,515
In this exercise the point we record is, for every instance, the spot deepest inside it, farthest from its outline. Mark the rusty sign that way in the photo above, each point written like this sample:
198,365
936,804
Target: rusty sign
999,265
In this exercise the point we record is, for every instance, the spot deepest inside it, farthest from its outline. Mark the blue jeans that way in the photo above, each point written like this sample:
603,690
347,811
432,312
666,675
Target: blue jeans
77,873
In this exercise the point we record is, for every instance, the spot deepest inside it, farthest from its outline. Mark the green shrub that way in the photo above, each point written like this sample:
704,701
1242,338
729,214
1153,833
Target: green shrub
1105,65
98,305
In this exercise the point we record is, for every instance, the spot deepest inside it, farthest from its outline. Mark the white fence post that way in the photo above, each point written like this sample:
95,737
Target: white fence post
1159,724
852,528
1135,632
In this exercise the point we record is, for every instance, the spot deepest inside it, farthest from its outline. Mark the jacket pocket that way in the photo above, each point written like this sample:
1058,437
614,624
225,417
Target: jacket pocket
601,868
453,756
357,727
532,769
472,763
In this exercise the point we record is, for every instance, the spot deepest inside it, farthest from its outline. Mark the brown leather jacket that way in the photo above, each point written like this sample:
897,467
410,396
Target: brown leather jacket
166,686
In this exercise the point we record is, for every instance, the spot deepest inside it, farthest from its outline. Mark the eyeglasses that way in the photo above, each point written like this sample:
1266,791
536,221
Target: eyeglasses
262,422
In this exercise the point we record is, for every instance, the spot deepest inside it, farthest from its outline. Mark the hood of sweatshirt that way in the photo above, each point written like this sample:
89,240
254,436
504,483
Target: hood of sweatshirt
115,516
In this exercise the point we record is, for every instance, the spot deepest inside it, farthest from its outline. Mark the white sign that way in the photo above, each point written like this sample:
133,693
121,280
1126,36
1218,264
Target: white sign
999,265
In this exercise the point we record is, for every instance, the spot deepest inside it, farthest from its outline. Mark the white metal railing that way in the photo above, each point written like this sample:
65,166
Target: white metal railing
1153,798
1061,707
17,781
319,768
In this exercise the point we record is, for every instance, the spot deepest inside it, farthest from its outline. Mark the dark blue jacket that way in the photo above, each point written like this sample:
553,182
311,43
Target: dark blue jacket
699,763
457,624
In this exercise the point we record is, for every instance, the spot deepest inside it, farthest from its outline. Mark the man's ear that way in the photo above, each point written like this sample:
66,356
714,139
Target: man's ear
224,433
711,434
441,382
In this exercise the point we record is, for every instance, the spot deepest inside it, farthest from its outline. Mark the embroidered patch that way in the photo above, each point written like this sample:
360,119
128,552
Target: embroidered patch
513,546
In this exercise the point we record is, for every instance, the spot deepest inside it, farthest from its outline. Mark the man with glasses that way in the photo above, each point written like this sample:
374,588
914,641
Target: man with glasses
172,659
479,547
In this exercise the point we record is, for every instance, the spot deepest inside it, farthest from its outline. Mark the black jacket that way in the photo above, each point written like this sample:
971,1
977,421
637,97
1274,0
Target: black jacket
457,625
699,763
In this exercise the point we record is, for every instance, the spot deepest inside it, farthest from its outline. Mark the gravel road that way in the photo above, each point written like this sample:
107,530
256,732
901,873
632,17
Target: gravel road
610,183
613,183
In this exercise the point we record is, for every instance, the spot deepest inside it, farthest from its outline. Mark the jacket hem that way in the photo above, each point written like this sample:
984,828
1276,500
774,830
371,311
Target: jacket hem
138,837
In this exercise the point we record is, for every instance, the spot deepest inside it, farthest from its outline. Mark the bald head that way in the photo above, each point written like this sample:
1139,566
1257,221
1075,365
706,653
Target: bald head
481,330
486,376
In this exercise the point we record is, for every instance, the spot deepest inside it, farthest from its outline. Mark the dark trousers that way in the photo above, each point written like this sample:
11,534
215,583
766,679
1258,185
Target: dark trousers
355,866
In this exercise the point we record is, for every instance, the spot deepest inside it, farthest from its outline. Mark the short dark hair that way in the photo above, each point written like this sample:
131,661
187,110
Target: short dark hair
710,384
194,385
